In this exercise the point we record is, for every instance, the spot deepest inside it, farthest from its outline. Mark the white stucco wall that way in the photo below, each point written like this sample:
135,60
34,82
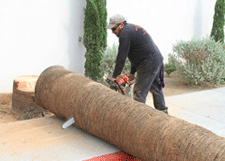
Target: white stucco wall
166,21
35,34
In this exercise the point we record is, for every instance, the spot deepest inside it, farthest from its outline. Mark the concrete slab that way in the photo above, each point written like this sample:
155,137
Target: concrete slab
205,108
43,139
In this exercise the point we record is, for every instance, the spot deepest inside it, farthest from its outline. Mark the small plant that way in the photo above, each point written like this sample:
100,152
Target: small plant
171,65
109,61
200,62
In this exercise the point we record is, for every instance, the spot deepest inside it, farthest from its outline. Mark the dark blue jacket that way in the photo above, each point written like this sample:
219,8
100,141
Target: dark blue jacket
136,44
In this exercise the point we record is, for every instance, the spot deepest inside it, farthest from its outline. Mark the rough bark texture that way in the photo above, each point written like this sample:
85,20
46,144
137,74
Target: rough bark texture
23,97
134,127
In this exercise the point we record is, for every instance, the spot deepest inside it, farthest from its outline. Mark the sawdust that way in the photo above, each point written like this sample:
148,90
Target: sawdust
173,87
6,112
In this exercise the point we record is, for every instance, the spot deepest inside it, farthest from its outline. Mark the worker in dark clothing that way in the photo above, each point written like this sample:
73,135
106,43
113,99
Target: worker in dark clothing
145,57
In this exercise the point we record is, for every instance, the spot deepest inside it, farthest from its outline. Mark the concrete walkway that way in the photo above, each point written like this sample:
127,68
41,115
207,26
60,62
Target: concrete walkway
43,139
205,108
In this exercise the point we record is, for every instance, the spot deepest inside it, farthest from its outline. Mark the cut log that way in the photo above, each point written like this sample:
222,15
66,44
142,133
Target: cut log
135,128
23,97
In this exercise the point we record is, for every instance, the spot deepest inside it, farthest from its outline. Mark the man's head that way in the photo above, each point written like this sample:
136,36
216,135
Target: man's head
116,24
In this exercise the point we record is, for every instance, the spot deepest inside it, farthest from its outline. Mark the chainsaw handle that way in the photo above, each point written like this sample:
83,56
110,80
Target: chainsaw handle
109,81
112,84
119,86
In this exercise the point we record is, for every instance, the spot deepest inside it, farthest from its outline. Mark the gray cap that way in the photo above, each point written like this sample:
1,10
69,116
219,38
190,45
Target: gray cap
115,19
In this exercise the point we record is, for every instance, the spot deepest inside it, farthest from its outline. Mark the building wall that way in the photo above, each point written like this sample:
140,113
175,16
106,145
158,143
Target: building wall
166,21
35,34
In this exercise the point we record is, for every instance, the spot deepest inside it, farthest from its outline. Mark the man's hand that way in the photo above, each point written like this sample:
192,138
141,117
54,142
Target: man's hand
112,79
131,77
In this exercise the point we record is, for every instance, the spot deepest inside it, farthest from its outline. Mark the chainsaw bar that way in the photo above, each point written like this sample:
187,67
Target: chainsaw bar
68,123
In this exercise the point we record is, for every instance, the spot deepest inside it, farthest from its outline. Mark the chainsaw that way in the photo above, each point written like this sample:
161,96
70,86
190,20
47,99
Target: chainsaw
122,84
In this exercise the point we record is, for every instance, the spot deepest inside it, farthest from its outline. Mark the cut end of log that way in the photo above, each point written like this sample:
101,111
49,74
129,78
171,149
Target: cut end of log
23,97
26,83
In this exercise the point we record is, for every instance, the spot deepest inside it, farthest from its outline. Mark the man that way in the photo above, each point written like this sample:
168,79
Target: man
146,59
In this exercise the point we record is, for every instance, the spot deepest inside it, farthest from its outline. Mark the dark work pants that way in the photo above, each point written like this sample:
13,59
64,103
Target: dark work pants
148,78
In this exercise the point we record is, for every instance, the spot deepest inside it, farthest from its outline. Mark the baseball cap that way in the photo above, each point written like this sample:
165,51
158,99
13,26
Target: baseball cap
115,19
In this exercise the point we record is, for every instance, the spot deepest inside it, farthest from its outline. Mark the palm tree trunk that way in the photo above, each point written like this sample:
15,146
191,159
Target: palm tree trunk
135,128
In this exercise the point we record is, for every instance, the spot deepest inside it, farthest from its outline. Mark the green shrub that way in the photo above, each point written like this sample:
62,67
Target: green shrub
200,61
95,37
218,21
171,65
109,61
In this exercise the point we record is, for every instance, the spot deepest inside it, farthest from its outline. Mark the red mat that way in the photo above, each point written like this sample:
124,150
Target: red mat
118,156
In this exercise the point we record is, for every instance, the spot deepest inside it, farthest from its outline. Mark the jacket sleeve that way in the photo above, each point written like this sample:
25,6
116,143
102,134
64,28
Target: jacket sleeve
133,69
124,47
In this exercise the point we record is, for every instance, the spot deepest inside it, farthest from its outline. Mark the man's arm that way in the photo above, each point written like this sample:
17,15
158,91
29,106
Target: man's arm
132,72
124,48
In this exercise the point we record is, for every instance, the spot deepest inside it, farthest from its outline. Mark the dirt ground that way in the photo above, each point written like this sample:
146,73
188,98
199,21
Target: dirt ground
173,87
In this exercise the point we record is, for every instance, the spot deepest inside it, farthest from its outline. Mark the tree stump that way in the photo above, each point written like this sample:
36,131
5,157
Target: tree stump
23,97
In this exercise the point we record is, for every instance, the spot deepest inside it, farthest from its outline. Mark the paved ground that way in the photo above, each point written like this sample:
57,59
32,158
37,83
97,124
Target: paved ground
205,108
43,139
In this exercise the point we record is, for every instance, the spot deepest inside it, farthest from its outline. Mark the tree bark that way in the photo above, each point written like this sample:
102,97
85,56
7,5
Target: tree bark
135,128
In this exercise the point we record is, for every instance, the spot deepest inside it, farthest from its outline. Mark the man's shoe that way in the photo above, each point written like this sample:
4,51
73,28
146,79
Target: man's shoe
165,111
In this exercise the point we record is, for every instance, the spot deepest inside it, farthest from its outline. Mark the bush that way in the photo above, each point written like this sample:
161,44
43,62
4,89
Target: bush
109,61
218,21
95,37
171,65
200,62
